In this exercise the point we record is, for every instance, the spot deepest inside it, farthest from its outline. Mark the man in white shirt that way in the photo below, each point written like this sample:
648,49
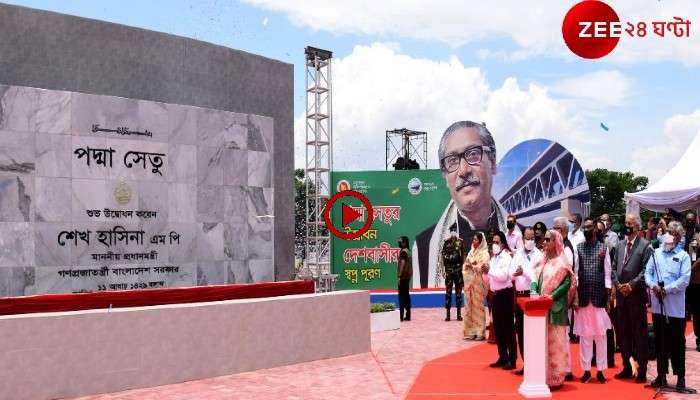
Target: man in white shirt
523,270
575,233
513,234
501,284
611,238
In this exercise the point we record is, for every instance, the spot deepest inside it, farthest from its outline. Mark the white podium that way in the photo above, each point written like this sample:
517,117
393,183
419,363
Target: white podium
535,328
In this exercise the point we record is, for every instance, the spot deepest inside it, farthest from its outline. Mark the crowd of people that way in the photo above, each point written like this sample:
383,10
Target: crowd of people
602,284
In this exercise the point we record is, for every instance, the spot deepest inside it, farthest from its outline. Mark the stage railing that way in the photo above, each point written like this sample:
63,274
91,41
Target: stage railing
150,297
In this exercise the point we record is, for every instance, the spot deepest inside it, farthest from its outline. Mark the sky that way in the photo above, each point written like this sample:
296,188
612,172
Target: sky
424,64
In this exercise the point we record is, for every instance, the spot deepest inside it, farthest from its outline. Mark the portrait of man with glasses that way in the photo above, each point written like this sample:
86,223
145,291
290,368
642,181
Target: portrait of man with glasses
467,154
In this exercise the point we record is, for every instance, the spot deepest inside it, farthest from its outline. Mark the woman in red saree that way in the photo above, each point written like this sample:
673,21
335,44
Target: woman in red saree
555,279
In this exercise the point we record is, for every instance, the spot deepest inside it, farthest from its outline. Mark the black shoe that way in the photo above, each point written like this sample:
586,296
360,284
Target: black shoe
497,364
601,378
624,374
660,381
459,317
509,366
586,377
407,319
680,384
569,377
447,318
520,372
697,348
641,378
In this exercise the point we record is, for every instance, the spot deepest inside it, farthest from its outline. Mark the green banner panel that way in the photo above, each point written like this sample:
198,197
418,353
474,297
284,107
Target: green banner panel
404,204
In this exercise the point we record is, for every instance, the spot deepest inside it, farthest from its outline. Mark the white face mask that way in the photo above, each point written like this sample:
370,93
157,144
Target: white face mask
529,245
668,243
496,249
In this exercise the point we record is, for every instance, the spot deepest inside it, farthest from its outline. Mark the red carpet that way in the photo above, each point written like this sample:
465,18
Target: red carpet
466,375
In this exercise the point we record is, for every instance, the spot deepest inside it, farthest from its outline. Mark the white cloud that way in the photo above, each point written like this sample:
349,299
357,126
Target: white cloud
654,161
599,89
535,27
427,95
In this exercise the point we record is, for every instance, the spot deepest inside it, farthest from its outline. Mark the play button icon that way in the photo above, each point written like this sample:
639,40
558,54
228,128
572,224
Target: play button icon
349,215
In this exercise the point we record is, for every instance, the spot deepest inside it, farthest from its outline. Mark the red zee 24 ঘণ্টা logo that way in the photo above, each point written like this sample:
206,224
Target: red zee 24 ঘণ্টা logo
592,29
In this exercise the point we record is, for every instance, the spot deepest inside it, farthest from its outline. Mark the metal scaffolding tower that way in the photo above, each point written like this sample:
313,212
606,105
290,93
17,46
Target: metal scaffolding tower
319,162
403,145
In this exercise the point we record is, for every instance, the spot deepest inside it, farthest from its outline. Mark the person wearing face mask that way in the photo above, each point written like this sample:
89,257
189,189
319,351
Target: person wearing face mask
667,274
660,232
575,235
650,235
501,283
473,270
513,234
561,225
594,285
610,236
405,272
631,257
610,303
555,280
524,262
454,252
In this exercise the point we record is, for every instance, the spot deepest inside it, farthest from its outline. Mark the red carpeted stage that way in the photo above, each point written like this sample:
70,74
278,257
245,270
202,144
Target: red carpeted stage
466,375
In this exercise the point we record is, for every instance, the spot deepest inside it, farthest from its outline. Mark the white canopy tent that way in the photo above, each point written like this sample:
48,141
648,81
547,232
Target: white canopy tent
679,189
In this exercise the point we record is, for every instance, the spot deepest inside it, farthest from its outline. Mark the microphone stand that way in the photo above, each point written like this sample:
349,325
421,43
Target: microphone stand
662,388
661,285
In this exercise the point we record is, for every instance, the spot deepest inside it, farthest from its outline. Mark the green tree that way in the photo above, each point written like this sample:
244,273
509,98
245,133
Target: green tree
300,183
300,217
608,190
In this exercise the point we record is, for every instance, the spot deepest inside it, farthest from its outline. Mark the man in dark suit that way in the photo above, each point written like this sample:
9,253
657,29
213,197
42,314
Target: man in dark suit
631,256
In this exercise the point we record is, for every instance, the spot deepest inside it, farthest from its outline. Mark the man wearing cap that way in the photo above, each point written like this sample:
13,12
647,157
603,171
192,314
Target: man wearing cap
667,274
454,252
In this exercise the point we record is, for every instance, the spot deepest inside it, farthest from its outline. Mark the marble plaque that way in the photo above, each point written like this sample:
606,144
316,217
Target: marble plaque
101,193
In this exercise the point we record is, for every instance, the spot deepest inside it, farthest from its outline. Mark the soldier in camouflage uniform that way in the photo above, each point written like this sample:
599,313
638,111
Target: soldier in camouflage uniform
454,252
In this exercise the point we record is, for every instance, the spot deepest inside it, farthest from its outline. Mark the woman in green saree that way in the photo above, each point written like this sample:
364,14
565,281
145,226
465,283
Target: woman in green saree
555,279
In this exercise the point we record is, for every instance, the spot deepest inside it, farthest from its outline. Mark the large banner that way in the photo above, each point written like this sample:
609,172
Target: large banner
535,181
404,204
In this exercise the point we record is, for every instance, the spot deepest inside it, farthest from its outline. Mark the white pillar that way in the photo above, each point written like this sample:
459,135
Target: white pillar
535,328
